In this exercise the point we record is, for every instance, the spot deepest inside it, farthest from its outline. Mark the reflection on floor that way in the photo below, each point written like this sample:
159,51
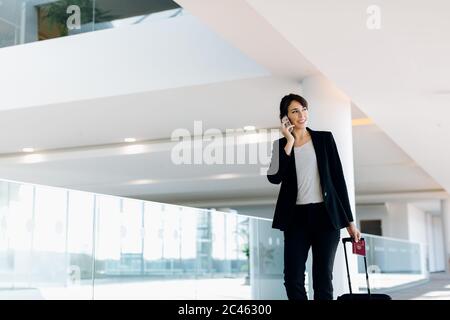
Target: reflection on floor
387,281
208,289
437,288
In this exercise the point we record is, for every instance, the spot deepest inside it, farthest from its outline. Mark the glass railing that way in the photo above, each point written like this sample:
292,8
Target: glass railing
267,263
391,263
65,244
24,21
267,274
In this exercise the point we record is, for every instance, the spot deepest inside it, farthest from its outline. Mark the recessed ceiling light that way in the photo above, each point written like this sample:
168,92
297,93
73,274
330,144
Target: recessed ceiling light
130,139
249,128
362,122
28,150
142,181
34,158
225,176
134,149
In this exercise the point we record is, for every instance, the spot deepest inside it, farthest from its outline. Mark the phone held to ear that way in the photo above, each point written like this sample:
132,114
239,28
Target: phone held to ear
286,123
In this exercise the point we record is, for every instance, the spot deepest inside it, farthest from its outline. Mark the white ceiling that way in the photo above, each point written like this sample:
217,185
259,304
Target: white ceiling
80,143
399,74
148,115
380,166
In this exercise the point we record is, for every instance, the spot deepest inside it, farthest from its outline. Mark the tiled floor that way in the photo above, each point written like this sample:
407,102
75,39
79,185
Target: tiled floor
437,288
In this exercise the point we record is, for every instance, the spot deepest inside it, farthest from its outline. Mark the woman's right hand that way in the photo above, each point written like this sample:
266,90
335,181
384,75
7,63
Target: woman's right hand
290,138
286,133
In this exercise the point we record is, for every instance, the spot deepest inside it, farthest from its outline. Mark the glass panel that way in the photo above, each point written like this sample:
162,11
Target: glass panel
65,17
115,13
6,252
243,248
23,21
107,247
223,272
120,269
170,251
16,242
391,263
151,264
10,13
164,266
266,258
188,242
204,244
80,244
49,264
148,250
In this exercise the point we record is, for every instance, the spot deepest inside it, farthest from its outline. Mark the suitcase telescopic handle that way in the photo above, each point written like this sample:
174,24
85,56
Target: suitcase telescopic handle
349,239
344,241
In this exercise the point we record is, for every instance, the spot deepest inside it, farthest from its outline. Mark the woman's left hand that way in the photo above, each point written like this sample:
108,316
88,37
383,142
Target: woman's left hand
354,232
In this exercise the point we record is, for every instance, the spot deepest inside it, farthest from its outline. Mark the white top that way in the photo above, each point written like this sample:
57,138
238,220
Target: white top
308,179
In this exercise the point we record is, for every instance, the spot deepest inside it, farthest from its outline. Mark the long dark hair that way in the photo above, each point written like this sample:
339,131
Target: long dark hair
286,101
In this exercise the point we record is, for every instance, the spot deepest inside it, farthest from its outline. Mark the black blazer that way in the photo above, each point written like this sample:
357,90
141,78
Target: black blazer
334,190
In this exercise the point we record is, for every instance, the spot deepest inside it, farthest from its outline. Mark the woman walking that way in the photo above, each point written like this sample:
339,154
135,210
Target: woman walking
312,204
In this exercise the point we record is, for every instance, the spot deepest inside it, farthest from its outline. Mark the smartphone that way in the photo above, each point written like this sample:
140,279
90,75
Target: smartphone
285,121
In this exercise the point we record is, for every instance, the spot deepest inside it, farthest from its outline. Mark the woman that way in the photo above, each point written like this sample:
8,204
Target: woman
313,202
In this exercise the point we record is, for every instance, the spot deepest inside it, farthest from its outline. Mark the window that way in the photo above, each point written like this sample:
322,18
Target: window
371,227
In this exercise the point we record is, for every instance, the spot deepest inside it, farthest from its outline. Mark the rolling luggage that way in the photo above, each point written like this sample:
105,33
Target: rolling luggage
360,296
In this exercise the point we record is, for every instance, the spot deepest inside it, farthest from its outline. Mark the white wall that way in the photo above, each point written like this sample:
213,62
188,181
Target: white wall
398,220
373,212
161,54
417,225
445,218
430,242
402,220
436,244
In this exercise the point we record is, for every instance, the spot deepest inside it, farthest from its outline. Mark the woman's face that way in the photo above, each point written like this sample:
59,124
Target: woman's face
298,115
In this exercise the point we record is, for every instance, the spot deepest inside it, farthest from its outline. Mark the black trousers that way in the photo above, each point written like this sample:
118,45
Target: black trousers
309,226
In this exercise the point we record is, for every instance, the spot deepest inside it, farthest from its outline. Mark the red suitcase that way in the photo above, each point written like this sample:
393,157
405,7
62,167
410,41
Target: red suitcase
360,296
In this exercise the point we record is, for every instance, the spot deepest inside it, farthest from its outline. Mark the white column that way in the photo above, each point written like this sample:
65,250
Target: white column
398,220
445,219
430,257
330,110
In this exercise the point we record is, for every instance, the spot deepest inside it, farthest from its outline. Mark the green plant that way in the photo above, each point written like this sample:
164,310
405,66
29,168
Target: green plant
246,250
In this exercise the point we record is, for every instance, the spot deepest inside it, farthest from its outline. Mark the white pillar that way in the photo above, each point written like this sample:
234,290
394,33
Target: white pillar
445,219
330,110
398,220
430,257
